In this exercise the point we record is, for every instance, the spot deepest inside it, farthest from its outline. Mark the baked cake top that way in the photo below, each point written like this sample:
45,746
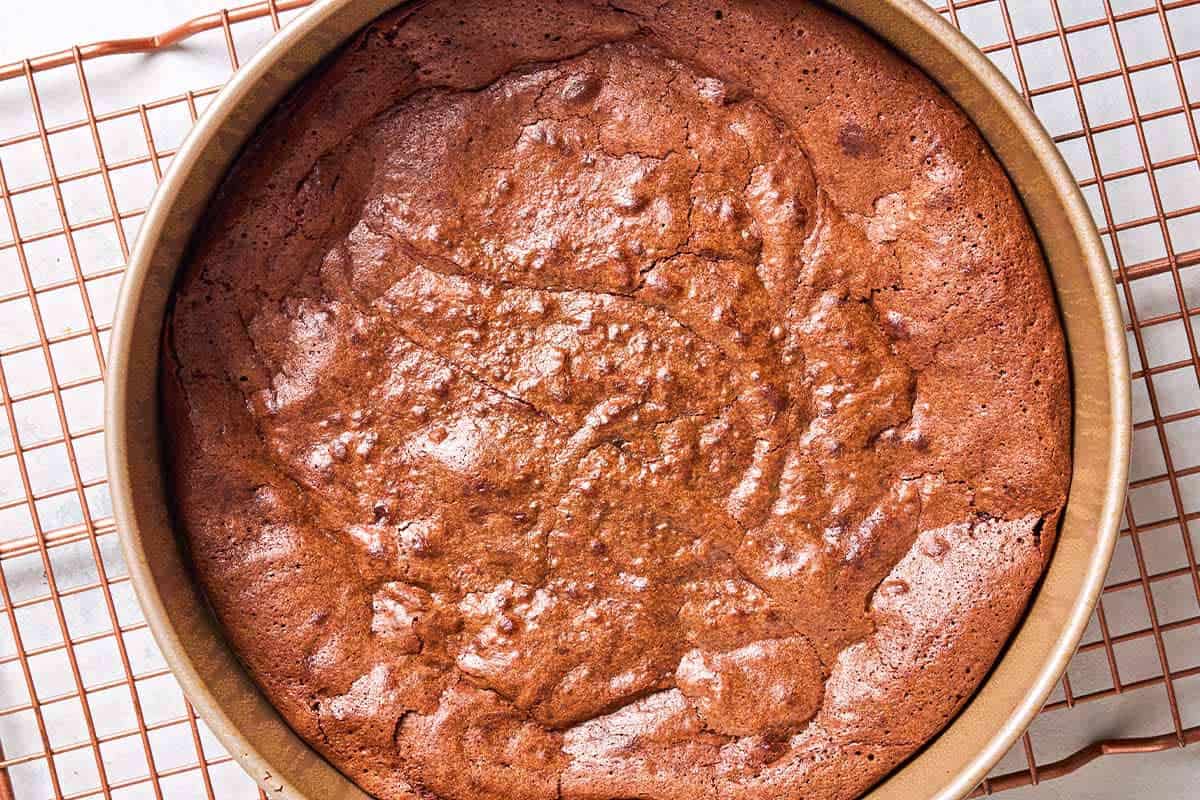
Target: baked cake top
596,401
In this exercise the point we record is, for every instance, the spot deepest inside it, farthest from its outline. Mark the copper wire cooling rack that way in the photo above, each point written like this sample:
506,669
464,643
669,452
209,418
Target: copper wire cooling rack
88,708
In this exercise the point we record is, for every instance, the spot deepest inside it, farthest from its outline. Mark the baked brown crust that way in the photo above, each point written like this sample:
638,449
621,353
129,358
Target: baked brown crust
595,400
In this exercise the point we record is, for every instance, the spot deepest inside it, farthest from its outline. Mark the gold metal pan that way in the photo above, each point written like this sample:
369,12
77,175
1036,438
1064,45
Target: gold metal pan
953,763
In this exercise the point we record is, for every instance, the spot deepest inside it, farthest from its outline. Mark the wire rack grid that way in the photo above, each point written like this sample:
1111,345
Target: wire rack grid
88,708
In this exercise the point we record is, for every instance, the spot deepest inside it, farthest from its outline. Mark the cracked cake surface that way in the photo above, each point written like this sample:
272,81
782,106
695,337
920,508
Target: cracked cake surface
608,400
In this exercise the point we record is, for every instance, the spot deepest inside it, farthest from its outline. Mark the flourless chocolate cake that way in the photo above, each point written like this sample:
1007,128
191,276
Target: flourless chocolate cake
608,400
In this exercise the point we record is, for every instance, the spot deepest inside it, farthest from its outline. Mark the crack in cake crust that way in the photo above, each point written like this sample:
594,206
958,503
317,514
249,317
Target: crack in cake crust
570,405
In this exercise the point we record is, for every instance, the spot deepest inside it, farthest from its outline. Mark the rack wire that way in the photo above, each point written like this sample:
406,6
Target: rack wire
88,708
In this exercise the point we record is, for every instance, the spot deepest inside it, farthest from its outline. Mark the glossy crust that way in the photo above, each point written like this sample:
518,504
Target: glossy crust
599,400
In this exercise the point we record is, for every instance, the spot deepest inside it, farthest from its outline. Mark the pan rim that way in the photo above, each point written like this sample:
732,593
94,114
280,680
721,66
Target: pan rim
938,770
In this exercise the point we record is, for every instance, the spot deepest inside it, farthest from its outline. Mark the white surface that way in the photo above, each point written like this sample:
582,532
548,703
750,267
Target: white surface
48,25
45,25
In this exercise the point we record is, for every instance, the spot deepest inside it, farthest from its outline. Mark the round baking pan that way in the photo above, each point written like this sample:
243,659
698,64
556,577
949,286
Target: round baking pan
951,764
